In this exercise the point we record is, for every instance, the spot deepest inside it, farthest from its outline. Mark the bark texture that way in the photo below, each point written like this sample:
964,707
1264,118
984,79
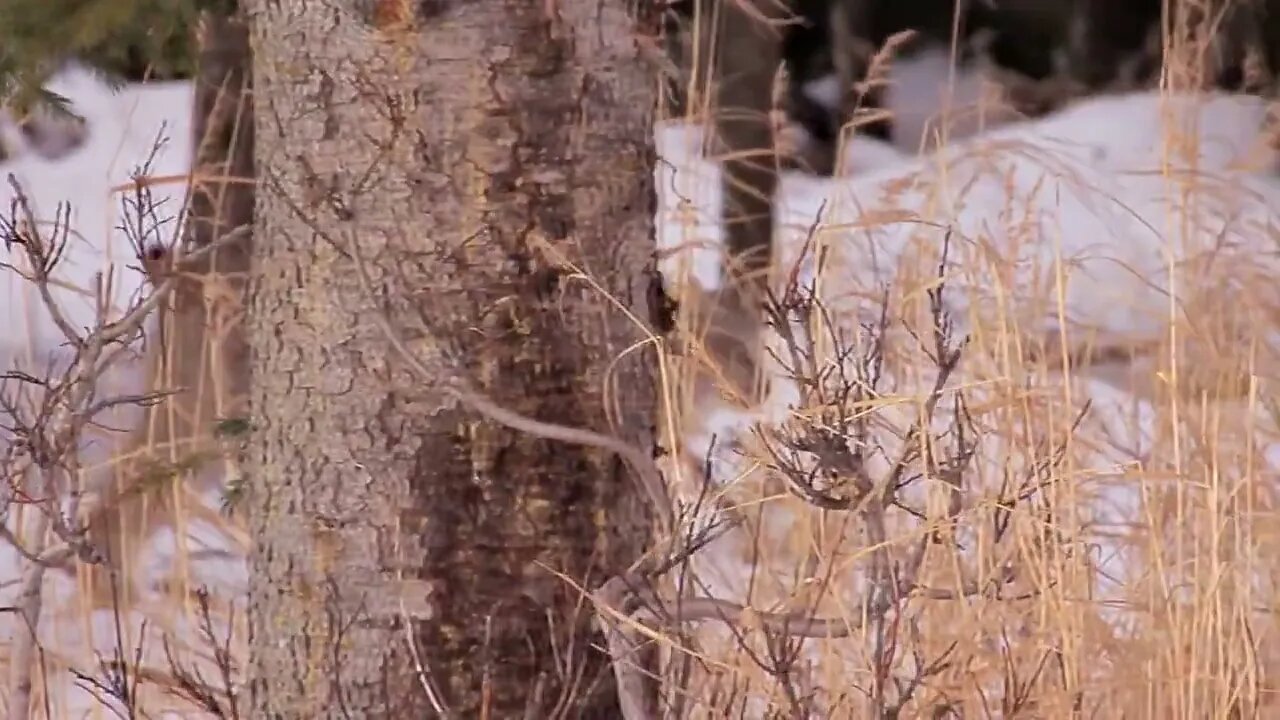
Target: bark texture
404,545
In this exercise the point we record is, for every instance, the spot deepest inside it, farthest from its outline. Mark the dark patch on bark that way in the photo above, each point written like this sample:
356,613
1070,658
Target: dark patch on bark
662,307
545,282
431,9
497,500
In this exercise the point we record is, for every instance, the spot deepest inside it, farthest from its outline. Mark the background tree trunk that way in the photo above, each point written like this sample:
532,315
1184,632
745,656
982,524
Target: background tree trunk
201,346
403,543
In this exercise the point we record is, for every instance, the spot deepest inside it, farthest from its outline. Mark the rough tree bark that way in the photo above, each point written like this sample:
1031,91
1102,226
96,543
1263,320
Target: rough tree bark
404,543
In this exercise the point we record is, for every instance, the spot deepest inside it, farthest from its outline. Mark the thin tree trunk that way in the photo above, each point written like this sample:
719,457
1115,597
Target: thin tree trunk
200,350
405,544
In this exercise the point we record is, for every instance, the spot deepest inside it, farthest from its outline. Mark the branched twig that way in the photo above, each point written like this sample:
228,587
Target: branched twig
48,417
220,699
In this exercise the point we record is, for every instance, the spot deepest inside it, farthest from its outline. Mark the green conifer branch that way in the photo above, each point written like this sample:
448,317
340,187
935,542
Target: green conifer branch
114,38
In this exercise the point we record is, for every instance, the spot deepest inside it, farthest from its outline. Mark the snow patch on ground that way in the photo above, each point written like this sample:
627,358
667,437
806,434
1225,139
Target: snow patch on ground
1082,224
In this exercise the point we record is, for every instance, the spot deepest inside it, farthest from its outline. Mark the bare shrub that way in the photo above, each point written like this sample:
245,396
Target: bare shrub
76,408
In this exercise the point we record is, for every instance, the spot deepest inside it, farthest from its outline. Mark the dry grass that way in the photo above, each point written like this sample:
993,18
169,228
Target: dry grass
967,541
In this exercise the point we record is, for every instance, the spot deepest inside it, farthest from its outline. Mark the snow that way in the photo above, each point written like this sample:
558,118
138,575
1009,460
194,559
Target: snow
1080,226
1091,188
1065,223
123,130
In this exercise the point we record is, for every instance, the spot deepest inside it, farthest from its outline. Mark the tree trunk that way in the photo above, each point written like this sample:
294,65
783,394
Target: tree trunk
405,544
